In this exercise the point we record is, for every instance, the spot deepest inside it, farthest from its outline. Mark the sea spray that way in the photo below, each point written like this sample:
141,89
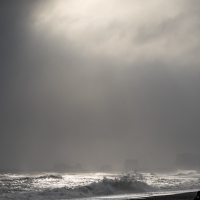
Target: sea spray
51,186
122,185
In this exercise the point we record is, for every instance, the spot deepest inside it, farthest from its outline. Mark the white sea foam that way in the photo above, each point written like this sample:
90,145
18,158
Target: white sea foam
122,185
45,186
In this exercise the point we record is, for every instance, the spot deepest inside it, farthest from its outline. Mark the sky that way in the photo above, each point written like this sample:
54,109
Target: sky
98,82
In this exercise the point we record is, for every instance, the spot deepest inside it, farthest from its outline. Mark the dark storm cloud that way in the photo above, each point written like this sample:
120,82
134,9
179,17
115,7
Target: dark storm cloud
78,86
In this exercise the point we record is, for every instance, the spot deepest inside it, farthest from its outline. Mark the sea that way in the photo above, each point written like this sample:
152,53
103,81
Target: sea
98,186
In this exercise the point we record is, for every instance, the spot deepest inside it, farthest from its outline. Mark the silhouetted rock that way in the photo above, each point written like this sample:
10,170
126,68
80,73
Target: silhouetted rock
67,168
106,168
77,168
131,165
188,161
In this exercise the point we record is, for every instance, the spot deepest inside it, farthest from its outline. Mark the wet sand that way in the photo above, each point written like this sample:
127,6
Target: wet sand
184,196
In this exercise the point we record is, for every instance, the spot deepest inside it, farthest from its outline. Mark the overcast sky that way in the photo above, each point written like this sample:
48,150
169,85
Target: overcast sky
98,81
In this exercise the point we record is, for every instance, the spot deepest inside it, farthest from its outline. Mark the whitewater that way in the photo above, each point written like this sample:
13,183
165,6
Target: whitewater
55,186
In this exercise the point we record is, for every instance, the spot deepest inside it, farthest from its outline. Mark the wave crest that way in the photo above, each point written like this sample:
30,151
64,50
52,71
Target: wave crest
123,184
48,176
127,183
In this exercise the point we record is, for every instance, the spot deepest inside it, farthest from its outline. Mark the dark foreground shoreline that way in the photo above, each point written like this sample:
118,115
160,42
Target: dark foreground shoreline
183,196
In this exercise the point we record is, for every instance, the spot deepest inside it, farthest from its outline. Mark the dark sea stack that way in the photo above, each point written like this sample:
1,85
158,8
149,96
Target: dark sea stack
131,165
77,167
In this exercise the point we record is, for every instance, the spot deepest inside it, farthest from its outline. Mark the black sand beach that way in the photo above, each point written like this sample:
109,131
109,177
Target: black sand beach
184,196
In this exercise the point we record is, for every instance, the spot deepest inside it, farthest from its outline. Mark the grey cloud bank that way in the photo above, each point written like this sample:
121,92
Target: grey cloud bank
80,83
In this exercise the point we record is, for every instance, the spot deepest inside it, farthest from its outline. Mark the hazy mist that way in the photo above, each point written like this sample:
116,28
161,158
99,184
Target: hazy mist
98,82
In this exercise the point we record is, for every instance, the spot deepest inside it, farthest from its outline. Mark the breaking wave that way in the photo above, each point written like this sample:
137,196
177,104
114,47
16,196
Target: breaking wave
124,184
24,183
93,186
48,176
186,173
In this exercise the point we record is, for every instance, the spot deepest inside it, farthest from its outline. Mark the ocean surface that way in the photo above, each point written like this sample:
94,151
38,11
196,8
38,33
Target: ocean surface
43,186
